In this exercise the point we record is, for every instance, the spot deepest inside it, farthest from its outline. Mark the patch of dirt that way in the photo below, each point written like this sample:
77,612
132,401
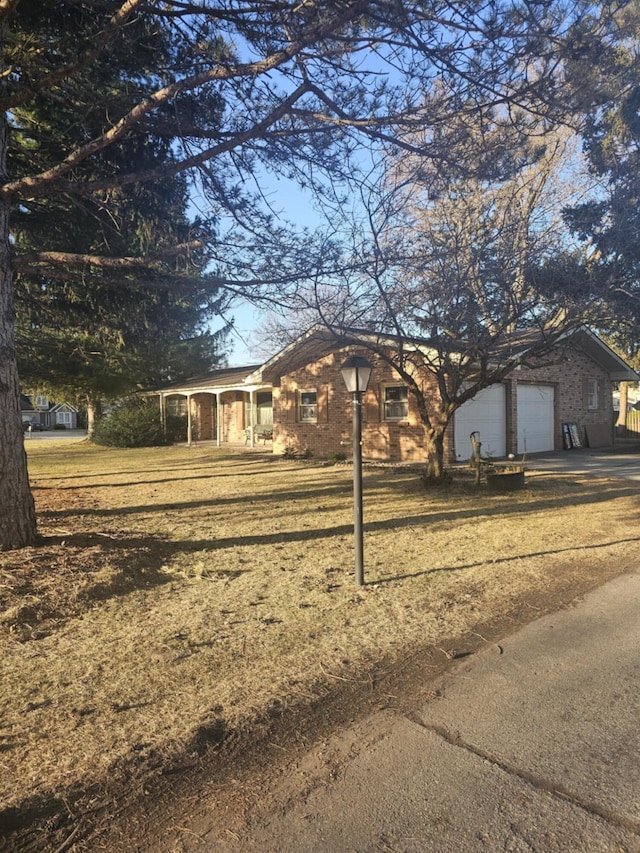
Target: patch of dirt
43,586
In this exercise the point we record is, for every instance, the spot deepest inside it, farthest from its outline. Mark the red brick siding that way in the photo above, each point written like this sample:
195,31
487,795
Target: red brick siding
204,415
333,431
405,441
567,373
232,415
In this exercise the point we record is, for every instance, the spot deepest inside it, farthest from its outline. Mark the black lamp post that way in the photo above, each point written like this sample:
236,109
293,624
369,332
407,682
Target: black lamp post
356,371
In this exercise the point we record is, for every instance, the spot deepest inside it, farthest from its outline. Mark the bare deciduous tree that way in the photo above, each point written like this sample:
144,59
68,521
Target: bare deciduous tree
445,278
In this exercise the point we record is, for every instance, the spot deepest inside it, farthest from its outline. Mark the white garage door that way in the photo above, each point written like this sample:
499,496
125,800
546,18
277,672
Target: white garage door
486,413
535,418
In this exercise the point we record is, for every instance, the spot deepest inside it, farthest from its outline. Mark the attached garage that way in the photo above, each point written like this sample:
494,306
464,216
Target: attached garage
536,418
486,414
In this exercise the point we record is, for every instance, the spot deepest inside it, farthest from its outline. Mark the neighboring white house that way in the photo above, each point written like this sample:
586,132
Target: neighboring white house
633,399
65,415
37,408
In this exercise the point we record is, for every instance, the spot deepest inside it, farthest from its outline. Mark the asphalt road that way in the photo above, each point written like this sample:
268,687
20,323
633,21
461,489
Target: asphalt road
49,434
531,746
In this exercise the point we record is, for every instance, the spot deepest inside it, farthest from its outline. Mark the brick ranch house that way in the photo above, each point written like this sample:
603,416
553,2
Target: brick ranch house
297,401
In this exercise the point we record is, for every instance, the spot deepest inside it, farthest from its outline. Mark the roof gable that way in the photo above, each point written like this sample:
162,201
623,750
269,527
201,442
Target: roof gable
598,351
63,407
321,340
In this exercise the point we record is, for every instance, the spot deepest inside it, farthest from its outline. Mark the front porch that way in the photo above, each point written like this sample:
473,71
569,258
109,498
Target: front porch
223,408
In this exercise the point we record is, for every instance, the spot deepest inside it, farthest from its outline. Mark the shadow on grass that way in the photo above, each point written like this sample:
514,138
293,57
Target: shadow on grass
63,576
40,484
523,556
503,505
217,502
139,563
157,550
99,565
228,461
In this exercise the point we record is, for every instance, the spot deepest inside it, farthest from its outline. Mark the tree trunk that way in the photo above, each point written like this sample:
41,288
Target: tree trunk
434,447
94,413
621,423
17,512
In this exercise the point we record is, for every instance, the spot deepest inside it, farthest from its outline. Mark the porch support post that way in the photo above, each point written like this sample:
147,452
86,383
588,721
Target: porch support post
163,415
189,423
218,424
252,418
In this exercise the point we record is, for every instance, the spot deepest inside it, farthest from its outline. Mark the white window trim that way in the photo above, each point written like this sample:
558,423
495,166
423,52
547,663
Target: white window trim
176,406
398,418
307,418
592,395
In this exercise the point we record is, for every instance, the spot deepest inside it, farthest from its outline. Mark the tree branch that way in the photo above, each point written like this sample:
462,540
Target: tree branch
35,185
24,262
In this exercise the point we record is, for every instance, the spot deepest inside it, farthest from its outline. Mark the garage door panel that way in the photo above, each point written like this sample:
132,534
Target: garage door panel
536,418
486,414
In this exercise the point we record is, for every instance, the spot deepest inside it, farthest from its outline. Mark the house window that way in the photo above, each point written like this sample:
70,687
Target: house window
264,408
41,402
592,394
63,418
177,406
395,402
308,407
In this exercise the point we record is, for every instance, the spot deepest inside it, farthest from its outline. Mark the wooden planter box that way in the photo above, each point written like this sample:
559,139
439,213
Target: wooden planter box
505,478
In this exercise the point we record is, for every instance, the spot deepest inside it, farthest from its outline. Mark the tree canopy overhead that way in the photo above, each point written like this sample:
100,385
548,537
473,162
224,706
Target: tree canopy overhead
219,91
226,85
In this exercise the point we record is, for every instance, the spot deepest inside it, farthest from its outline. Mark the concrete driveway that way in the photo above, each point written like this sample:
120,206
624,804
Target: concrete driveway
623,461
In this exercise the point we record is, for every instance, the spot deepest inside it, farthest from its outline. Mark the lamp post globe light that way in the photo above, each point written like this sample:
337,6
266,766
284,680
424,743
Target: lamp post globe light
356,371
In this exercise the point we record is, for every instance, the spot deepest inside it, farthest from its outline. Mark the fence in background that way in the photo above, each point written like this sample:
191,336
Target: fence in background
633,424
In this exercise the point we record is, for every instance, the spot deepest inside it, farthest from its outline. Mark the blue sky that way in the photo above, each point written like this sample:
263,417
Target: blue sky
247,318
294,205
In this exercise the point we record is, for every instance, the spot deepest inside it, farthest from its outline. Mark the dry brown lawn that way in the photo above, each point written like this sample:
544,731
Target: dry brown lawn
182,593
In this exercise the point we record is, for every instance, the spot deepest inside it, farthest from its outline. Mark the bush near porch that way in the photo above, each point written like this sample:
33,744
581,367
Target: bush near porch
137,423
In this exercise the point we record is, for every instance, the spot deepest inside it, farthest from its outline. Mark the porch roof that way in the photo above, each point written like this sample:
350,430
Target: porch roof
225,379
